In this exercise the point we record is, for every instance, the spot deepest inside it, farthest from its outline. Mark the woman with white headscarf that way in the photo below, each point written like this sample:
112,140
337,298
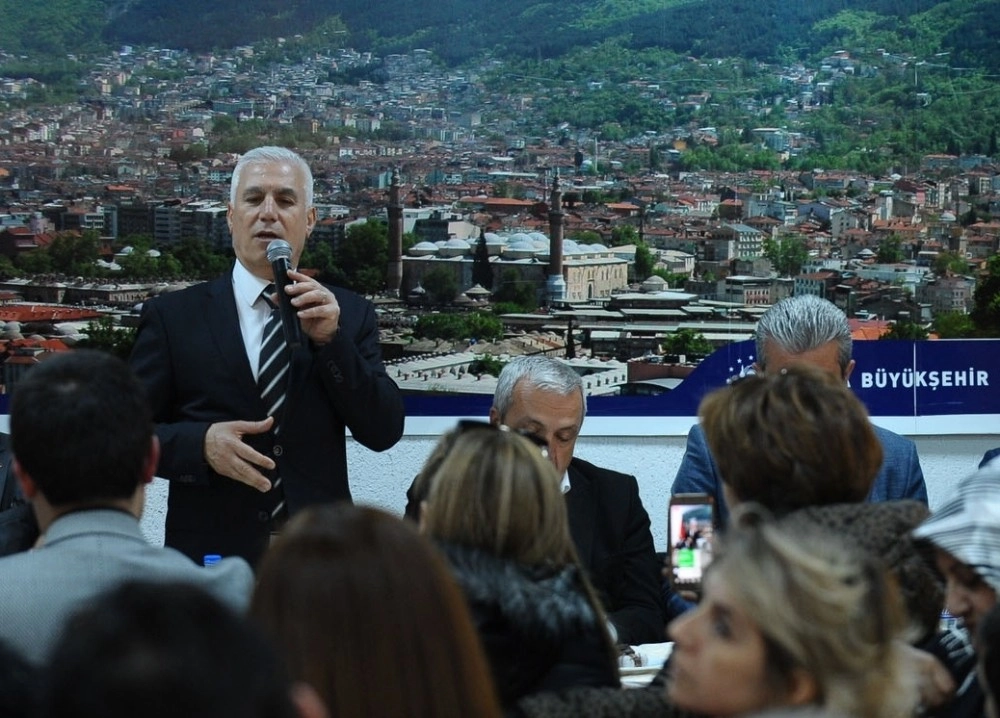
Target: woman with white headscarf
965,536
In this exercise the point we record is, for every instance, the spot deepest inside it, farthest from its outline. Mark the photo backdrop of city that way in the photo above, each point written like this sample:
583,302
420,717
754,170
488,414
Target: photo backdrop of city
694,161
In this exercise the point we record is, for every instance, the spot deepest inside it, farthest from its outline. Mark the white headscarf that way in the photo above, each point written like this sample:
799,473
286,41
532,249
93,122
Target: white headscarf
968,525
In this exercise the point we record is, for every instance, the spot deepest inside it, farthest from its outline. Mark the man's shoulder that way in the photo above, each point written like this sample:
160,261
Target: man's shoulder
176,297
893,443
598,474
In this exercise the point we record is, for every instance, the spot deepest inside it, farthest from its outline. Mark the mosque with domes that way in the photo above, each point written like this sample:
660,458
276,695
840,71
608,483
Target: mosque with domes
591,271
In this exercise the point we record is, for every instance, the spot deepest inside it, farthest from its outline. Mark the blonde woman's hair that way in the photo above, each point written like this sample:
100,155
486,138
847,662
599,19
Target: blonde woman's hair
824,608
495,491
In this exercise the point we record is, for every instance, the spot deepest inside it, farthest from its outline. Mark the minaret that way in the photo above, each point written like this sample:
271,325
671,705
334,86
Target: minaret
556,285
394,274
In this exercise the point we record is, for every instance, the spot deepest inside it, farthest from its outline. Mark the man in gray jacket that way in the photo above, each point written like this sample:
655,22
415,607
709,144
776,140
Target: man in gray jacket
84,448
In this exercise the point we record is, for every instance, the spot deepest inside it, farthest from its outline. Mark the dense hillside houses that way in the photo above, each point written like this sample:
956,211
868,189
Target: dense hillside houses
140,157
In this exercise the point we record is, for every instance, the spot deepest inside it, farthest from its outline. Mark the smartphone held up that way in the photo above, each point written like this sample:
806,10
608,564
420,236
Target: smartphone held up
691,521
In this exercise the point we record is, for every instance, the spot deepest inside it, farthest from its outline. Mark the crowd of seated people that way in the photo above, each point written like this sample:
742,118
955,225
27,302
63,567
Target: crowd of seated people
818,601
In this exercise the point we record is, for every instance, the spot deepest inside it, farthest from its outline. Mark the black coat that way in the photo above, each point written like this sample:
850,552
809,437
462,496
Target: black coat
610,529
538,627
190,356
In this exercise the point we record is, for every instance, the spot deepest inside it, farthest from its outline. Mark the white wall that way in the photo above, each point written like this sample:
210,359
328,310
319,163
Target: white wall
382,479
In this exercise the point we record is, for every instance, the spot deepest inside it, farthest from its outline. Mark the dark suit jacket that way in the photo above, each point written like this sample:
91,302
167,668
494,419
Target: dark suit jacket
988,457
189,354
610,528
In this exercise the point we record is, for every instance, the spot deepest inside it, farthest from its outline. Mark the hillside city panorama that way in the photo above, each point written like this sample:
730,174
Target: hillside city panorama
660,258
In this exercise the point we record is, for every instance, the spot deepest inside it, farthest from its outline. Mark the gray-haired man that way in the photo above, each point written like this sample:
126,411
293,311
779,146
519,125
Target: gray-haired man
809,330
610,528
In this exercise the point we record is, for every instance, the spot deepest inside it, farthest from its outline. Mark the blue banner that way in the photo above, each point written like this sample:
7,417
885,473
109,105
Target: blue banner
893,379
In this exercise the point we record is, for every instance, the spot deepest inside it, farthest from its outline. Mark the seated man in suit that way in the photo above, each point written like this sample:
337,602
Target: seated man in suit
812,331
82,435
610,528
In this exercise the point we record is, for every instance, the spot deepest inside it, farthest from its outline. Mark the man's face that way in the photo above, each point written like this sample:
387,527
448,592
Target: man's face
270,204
824,357
556,418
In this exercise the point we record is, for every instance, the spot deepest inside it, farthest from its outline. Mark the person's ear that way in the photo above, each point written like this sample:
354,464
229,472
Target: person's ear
28,486
307,702
802,688
847,372
152,460
495,416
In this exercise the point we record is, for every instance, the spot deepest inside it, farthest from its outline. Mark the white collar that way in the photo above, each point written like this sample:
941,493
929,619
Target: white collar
246,286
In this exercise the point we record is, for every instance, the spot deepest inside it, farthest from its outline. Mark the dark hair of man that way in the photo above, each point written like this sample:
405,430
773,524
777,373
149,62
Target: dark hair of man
81,427
365,611
163,650
793,439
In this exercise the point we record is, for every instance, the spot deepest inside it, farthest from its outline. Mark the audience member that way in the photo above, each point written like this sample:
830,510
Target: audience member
496,508
800,444
164,651
964,533
241,457
791,619
610,528
366,612
805,329
790,440
84,448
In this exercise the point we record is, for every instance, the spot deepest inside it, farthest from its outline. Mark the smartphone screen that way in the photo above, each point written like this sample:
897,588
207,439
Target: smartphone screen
691,523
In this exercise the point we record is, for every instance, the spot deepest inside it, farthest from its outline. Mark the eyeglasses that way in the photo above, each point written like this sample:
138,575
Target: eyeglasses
465,425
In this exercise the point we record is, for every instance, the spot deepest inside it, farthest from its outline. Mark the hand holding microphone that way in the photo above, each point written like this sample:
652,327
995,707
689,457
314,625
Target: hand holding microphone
279,254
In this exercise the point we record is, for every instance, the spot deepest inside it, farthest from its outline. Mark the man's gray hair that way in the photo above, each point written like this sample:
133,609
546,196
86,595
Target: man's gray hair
271,154
802,323
540,372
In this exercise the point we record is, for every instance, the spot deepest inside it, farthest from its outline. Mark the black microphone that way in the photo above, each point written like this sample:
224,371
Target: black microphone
279,254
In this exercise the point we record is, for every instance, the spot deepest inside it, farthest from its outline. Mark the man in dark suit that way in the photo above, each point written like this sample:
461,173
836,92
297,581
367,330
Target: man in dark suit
610,528
237,465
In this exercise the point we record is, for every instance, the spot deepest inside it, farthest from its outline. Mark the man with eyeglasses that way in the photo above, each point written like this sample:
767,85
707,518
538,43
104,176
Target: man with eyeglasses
543,397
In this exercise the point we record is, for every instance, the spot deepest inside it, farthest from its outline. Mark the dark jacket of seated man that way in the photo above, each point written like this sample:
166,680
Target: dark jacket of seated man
610,530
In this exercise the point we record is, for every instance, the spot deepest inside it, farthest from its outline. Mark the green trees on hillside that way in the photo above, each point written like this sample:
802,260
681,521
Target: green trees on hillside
787,254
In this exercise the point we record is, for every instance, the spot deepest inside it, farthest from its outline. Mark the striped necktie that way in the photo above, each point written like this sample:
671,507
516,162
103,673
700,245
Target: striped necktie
272,379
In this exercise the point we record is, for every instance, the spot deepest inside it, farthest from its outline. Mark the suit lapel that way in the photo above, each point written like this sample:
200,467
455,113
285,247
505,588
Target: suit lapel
582,511
225,330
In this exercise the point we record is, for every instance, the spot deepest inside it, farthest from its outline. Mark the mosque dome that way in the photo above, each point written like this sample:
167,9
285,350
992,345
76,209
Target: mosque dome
455,248
423,249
